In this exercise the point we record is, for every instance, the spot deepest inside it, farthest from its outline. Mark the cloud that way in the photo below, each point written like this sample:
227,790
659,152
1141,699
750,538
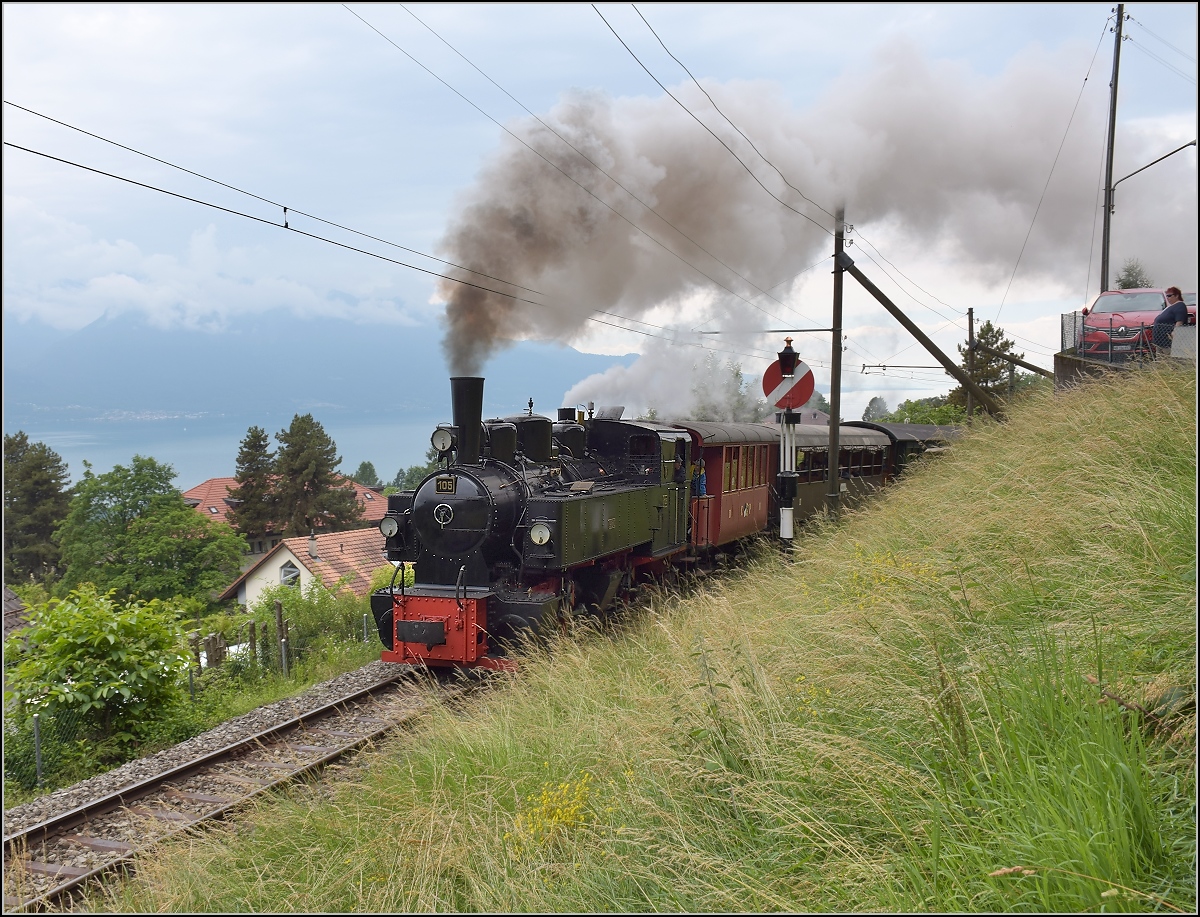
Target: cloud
953,162
70,278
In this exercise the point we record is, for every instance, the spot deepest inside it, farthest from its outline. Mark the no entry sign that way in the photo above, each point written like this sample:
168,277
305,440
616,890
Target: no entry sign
788,393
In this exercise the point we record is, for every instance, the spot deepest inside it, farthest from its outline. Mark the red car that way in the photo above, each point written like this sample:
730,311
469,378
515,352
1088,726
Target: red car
1118,324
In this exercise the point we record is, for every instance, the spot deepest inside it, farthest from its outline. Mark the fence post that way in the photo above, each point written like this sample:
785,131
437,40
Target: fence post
279,635
37,745
253,643
283,655
192,683
366,632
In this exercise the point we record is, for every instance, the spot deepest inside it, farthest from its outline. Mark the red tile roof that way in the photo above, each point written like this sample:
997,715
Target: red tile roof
355,554
211,499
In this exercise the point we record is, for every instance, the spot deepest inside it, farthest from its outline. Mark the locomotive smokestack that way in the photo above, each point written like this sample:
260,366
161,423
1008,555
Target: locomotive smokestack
466,399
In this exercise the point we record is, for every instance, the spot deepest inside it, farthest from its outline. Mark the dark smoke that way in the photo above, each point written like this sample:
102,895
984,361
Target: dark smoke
952,160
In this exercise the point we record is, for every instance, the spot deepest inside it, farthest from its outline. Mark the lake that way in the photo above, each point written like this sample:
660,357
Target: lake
201,447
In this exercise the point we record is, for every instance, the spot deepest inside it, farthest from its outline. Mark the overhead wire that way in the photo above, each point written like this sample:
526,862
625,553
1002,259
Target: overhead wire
1154,35
596,165
674,338
559,169
1053,165
749,171
761,155
1150,54
265,200
288,209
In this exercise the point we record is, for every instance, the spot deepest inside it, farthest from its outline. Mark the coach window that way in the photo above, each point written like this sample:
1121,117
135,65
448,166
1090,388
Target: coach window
820,466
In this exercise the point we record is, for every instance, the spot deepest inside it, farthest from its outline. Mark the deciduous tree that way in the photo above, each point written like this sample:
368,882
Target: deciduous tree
130,530
934,410
36,498
724,394
309,493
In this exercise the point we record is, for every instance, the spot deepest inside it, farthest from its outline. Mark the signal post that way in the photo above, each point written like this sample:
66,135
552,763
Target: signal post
788,383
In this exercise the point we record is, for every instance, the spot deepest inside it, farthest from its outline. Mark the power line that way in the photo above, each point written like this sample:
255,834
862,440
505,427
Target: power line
286,227
560,169
722,114
267,200
593,163
1160,38
749,171
1046,187
295,211
250,216
1150,54
758,151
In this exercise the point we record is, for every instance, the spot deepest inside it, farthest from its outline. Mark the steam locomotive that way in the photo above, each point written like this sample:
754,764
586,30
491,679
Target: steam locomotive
531,521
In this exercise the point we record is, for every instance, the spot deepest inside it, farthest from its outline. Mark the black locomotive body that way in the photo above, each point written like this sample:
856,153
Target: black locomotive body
531,520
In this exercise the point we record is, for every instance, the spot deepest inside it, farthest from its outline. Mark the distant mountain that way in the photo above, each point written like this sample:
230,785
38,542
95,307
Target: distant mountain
272,364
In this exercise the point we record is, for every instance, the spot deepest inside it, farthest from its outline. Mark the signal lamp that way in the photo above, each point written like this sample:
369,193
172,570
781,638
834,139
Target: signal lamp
788,358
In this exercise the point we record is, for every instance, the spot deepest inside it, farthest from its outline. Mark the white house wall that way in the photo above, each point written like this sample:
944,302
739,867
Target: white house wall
268,575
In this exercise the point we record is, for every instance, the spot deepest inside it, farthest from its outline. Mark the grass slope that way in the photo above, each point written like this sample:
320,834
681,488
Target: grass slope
908,717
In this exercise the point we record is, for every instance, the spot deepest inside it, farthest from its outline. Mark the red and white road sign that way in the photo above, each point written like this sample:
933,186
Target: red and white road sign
788,393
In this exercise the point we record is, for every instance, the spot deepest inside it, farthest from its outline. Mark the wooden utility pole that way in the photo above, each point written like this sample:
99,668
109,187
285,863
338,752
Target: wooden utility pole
833,495
985,400
970,359
280,635
1108,166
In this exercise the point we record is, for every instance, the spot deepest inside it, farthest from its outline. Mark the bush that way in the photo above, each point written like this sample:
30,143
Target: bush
114,666
315,615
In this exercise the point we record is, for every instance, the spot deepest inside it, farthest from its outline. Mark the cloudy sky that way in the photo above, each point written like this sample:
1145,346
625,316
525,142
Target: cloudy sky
942,129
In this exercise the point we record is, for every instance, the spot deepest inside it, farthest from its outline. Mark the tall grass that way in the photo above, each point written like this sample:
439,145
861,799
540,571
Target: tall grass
938,705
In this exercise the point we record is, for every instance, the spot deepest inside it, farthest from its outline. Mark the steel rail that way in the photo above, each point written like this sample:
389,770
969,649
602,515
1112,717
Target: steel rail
36,835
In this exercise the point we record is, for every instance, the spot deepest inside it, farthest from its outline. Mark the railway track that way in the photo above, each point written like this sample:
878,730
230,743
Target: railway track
46,862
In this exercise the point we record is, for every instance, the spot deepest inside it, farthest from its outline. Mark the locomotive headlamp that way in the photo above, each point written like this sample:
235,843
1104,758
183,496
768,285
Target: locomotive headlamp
539,533
788,358
388,526
442,439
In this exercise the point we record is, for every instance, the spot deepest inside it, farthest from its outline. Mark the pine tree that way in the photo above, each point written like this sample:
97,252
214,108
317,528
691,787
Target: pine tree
1133,276
991,372
36,500
309,493
408,478
366,475
254,508
877,409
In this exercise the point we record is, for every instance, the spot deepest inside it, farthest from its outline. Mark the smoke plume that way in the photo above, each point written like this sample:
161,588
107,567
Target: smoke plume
953,161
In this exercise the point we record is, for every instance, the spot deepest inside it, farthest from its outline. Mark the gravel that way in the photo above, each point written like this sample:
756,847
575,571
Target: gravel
228,733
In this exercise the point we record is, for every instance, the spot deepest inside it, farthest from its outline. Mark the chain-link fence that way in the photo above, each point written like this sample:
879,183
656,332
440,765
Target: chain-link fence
1106,339
1071,326
47,749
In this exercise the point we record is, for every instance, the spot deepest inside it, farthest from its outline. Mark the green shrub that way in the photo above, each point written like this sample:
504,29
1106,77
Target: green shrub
315,614
116,666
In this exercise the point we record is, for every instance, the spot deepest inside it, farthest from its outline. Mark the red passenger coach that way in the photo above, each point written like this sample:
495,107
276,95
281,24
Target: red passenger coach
741,461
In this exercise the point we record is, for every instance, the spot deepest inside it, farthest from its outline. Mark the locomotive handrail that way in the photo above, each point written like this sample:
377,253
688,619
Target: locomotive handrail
460,583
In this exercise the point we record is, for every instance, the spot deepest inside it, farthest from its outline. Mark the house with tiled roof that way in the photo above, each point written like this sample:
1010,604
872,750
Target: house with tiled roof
15,617
212,500
349,557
